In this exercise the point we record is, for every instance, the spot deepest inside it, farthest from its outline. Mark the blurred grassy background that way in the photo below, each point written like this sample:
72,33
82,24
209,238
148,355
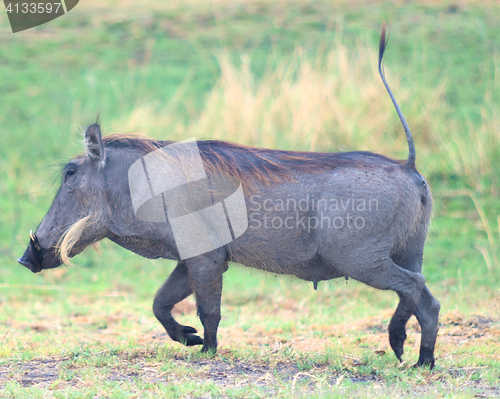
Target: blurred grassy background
290,75
298,75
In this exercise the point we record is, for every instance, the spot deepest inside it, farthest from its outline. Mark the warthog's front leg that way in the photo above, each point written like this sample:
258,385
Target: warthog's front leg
175,289
205,275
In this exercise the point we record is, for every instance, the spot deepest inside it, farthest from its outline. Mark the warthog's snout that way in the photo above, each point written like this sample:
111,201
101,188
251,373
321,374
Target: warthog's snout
37,258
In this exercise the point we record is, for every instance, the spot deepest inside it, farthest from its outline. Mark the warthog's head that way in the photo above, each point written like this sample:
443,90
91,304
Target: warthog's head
75,219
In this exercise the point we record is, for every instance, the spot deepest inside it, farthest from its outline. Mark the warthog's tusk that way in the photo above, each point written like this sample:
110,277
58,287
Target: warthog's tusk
34,240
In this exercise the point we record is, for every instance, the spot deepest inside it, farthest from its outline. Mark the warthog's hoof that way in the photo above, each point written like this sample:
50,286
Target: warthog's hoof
397,340
211,350
186,336
426,358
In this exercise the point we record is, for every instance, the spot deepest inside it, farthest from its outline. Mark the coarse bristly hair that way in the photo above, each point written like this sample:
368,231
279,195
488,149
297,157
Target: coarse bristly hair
250,164
70,238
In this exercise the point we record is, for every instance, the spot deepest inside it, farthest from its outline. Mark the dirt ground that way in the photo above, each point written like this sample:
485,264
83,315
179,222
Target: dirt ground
229,371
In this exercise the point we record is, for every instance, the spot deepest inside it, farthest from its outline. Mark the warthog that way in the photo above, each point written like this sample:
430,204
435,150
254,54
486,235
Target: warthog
317,216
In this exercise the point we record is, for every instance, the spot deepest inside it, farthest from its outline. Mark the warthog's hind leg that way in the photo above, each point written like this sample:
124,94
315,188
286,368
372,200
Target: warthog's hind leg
174,290
427,314
384,274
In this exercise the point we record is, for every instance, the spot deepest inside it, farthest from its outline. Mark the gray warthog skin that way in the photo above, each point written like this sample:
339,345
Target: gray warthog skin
316,216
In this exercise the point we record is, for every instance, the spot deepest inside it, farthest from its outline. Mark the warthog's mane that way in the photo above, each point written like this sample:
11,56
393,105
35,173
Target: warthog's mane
250,164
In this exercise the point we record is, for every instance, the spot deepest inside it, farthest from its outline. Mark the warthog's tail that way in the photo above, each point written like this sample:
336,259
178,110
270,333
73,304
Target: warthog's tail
70,238
410,162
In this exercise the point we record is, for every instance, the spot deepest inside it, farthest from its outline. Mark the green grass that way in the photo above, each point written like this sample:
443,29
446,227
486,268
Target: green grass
297,75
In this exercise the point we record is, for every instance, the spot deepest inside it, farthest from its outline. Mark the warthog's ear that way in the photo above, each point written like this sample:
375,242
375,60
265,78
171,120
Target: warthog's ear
94,144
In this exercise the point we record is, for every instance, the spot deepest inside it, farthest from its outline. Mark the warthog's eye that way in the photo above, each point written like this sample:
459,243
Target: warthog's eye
70,172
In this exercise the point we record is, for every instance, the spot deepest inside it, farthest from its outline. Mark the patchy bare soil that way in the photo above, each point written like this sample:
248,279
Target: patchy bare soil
267,365
232,373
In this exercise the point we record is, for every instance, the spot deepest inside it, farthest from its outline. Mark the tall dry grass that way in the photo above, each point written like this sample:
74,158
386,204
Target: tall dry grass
334,103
